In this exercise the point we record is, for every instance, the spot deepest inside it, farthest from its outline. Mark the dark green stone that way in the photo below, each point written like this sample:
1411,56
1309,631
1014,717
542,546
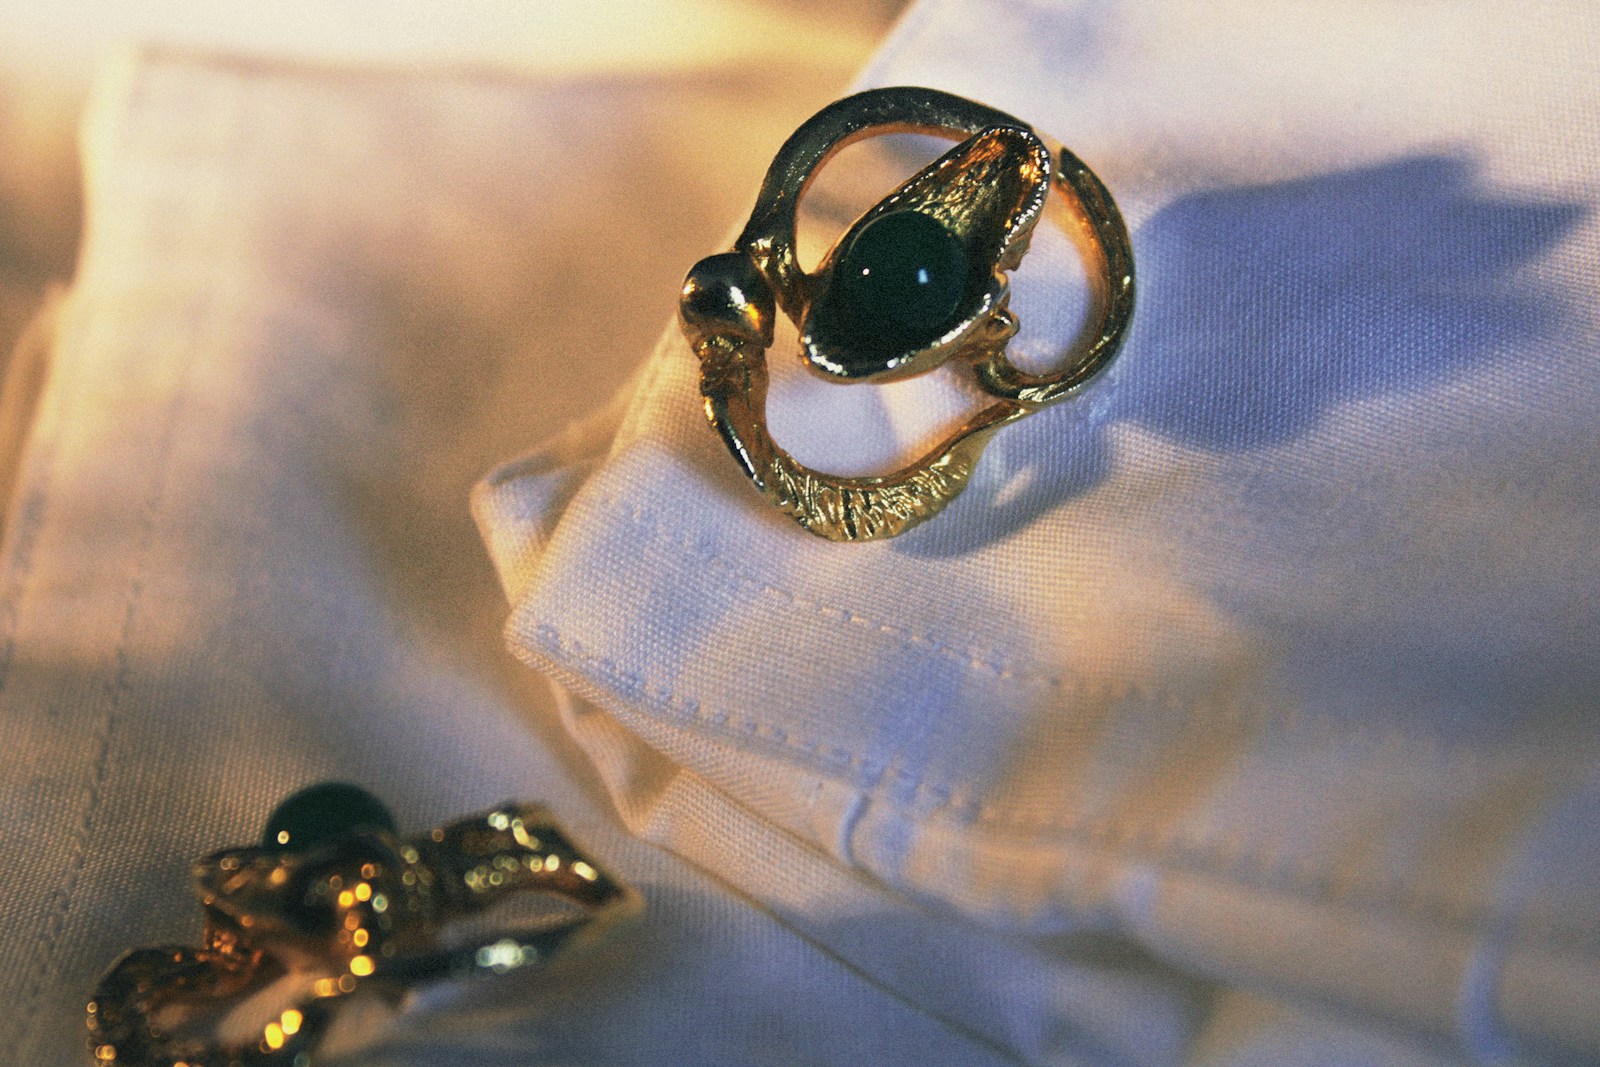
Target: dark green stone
901,280
321,813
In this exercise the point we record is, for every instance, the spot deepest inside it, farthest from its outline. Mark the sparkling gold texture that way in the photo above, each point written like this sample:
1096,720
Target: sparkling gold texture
988,191
366,911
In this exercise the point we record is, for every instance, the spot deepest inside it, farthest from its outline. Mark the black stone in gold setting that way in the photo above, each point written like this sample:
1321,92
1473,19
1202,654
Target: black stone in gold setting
322,813
345,905
913,282
920,281
899,285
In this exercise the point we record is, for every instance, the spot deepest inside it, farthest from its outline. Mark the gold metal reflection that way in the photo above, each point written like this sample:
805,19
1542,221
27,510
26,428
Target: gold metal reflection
988,192
366,912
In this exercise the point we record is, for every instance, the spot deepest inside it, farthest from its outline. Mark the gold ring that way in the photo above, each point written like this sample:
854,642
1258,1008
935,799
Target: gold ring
918,280
334,901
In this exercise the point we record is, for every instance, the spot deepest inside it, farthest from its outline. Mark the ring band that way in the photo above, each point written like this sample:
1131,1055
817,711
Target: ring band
967,216
365,910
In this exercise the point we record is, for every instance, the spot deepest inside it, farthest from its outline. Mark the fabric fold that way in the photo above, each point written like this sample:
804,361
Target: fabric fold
1268,663
238,561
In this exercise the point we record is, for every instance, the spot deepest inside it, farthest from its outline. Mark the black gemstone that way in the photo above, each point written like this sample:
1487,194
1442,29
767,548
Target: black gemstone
321,813
901,280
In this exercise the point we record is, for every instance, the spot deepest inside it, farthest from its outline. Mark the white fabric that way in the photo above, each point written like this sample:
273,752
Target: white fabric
1243,710
313,305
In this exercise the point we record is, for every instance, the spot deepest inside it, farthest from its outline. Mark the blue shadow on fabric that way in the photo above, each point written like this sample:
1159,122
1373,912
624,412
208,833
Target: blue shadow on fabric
1261,307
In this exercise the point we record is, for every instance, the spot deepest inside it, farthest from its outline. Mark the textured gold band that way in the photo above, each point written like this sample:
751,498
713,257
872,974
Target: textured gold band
369,911
988,193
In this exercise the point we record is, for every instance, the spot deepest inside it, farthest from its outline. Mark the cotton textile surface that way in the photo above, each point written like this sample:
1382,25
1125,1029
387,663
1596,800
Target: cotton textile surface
314,304
1244,708
1241,712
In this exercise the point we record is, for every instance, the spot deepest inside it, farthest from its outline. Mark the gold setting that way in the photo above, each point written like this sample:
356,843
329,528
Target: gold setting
369,912
989,191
